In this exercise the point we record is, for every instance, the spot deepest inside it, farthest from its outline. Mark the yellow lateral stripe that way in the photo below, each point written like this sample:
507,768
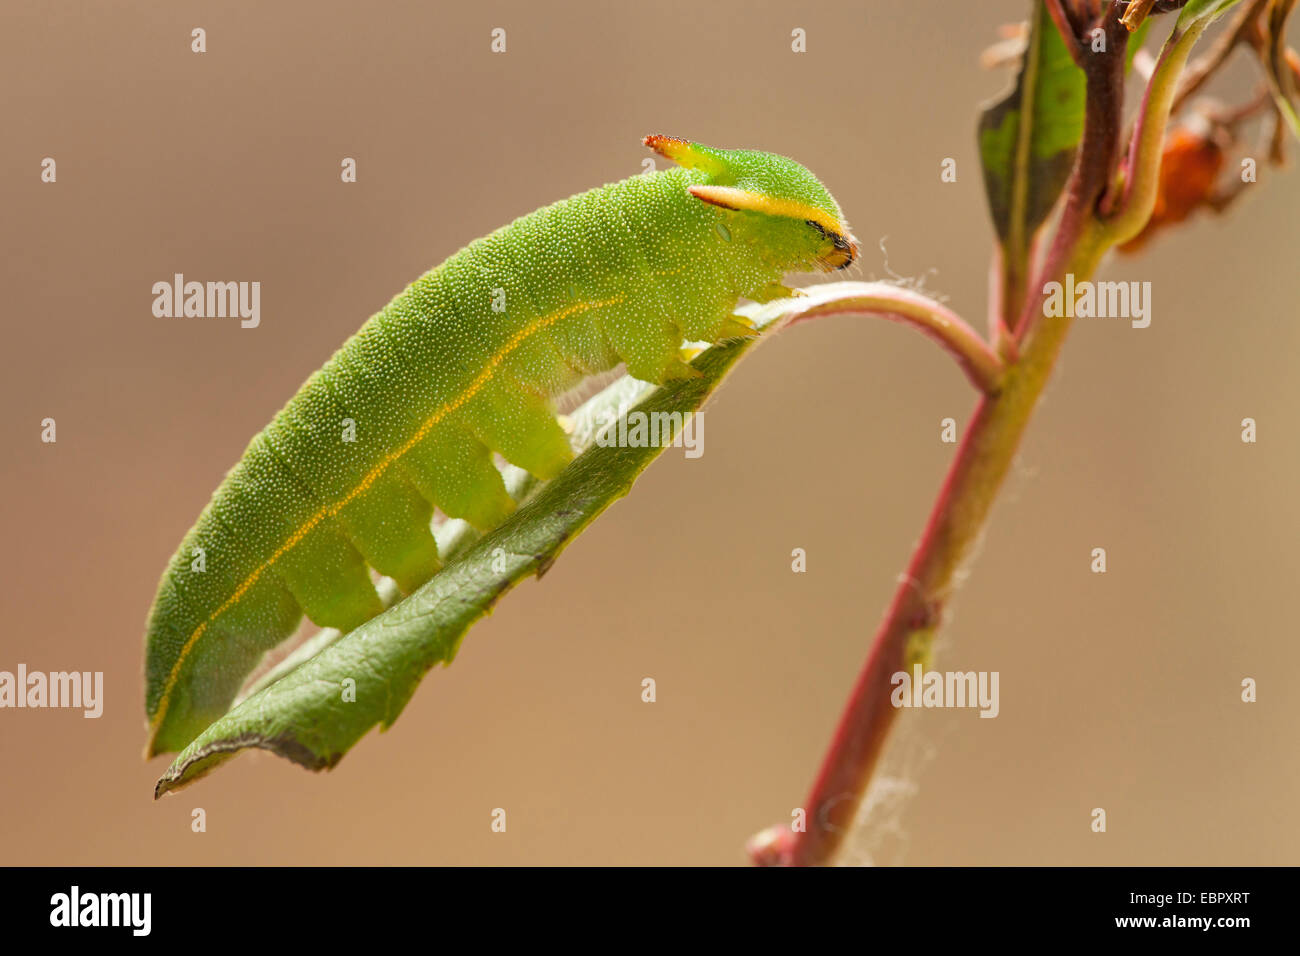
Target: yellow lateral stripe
330,511
796,210
732,197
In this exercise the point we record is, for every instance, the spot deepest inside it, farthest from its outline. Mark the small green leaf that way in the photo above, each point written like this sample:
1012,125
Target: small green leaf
1027,142
1028,138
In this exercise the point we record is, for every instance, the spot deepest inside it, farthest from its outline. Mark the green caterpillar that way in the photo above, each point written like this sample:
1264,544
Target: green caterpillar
467,362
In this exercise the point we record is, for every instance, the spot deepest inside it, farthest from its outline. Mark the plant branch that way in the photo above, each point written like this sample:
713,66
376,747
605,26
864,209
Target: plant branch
993,436
903,639
959,514
1065,26
1142,171
882,300
983,460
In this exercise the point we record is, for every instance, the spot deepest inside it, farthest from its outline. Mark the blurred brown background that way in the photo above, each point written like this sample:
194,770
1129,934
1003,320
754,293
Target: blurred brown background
1118,690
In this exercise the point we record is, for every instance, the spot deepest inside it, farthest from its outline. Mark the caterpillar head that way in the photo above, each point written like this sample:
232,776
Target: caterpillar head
776,203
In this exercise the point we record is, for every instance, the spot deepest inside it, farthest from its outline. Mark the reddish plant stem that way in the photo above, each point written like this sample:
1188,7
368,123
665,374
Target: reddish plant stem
983,459
885,301
958,517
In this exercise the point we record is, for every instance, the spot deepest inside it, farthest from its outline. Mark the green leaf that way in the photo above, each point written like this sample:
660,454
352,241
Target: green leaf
299,710
1027,142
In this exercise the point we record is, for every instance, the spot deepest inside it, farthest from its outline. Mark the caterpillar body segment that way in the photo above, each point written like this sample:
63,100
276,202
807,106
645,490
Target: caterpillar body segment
465,364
